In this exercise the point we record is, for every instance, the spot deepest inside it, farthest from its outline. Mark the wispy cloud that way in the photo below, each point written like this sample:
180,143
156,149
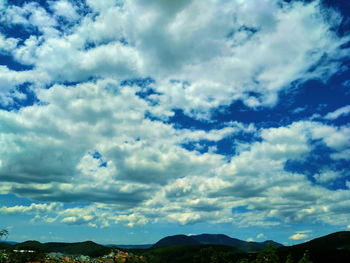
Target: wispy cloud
341,112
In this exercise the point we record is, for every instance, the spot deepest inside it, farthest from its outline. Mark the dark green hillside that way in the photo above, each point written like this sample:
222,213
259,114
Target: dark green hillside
334,247
188,249
31,245
87,248
191,254
4,245
338,240
256,246
217,239
214,239
176,240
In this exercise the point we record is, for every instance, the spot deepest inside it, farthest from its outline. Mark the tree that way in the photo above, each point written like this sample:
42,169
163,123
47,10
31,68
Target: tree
268,255
305,258
4,233
289,259
243,260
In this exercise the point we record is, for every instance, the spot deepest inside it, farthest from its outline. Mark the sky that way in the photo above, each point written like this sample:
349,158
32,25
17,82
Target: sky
126,121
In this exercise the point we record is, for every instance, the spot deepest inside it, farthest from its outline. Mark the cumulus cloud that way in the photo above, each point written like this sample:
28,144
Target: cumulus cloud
7,44
32,209
111,145
327,176
150,180
298,236
64,9
301,235
10,80
229,52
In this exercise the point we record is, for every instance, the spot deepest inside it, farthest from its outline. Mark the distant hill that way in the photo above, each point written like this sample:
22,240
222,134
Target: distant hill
5,245
176,240
330,248
31,245
87,248
338,240
217,239
261,245
9,242
190,253
144,246
213,239
334,247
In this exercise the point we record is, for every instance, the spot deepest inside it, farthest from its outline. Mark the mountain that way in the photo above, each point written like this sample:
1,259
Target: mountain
31,245
87,248
218,239
213,239
261,245
9,242
143,246
177,249
176,240
334,247
5,245
338,240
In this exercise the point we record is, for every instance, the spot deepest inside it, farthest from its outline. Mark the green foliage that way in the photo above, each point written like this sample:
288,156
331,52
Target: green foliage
192,254
243,260
26,257
3,233
305,258
135,259
209,255
289,259
268,255
87,248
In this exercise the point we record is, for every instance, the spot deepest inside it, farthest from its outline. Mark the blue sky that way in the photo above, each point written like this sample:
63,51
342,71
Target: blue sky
126,121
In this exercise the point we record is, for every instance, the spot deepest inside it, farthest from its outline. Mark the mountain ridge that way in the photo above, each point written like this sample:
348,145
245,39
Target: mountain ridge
338,240
212,239
87,248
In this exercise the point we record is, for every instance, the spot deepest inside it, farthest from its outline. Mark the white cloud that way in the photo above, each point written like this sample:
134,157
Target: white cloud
31,15
327,176
65,9
7,44
347,183
337,138
151,180
198,62
32,209
3,4
300,235
11,79
229,50
341,112
260,236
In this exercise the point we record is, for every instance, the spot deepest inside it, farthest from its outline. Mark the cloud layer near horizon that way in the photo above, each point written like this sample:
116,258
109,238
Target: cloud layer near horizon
92,137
